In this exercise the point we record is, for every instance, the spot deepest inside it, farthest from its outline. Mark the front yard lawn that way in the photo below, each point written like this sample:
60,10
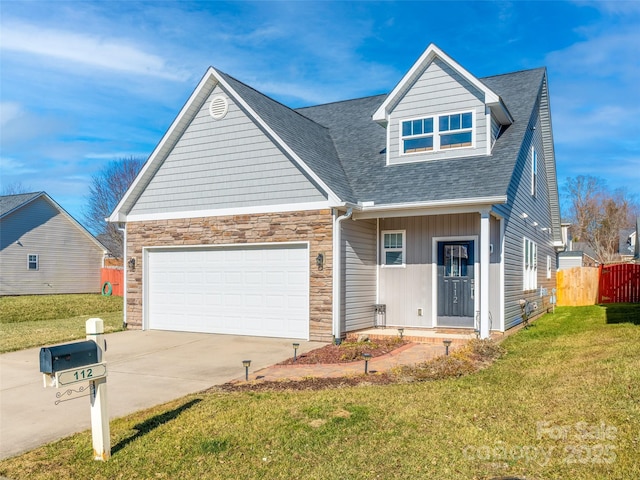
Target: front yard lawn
562,403
36,320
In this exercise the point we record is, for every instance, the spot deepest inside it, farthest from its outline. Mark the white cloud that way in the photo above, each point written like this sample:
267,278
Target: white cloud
9,111
11,166
609,55
91,50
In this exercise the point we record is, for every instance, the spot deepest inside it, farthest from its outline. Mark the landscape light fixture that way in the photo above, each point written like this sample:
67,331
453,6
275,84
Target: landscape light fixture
295,351
401,332
447,343
367,357
246,364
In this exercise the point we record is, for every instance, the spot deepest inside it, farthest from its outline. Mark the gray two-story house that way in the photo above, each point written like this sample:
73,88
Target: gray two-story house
438,200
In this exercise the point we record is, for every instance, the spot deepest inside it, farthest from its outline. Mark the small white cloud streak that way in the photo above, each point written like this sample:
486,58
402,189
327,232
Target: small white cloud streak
9,111
11,166
85,49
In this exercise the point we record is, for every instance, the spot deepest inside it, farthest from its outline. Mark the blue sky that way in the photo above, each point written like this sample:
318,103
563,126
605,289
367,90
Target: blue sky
83,83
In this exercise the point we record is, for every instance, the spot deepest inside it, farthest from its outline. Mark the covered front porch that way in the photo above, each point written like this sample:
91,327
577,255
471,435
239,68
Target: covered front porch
429,271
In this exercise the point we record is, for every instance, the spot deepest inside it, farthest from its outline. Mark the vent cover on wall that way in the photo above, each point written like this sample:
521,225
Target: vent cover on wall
218,107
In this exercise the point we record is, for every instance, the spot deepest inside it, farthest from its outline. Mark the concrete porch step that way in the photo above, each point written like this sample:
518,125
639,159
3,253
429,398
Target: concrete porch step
432,336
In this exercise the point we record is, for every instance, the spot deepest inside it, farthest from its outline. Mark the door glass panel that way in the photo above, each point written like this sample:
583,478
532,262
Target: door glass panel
456,258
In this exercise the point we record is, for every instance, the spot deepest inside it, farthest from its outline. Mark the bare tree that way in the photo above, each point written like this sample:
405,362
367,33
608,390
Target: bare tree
598,215
107,188
16,188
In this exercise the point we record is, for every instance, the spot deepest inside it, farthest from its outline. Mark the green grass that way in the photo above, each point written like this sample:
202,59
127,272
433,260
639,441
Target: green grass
36,320
563,402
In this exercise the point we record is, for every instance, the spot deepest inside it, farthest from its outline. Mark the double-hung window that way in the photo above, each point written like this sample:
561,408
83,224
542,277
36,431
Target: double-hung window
417,135
435,133
455,130
32,262
393,248
530,265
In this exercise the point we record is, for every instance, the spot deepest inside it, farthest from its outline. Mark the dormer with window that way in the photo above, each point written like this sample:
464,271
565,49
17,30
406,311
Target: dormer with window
439,110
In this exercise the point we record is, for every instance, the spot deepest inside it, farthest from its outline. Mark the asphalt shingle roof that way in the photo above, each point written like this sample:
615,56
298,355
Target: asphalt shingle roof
8,203
311,141
360,143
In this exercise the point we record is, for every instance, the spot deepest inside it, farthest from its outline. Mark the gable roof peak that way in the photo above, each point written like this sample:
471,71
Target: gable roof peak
491,99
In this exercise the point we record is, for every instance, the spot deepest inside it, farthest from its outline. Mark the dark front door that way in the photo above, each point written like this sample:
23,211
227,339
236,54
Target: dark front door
456,284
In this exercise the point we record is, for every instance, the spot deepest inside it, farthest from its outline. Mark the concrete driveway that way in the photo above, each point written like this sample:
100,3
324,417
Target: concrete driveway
145,368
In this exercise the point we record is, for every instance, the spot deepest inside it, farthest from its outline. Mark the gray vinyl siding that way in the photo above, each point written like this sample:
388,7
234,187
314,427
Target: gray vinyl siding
359,274
406,289
517,228
439,90
69,261
227,163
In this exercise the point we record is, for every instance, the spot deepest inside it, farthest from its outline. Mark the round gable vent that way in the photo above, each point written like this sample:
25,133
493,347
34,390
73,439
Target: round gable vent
218,107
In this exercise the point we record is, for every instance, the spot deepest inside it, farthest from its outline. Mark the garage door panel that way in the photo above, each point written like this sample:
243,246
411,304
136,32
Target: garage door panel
261,291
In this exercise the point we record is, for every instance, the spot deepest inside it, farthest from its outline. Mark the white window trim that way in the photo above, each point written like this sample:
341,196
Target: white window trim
436,134
37,262
529,265
534,170
403,250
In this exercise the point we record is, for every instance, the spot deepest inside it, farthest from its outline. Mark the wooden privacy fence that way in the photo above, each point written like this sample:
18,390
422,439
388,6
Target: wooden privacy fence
112,281
577,286
619,283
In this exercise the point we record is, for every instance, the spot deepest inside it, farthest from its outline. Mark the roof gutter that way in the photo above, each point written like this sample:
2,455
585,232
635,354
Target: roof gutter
337,262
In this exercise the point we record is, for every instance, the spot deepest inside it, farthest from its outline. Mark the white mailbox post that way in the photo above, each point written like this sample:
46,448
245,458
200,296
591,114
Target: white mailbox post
98,394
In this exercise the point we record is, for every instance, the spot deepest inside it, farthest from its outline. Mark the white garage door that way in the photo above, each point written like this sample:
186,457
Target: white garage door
261,291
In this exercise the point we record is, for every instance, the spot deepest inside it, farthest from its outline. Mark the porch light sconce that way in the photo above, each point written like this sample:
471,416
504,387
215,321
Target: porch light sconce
447,344
320,261
132,263
295,351
401,332
367,357
246,364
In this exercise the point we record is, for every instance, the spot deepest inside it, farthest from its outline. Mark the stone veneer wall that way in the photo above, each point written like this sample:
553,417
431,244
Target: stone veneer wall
315,227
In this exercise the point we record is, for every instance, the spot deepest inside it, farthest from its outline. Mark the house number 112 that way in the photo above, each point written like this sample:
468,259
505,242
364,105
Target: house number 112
83,374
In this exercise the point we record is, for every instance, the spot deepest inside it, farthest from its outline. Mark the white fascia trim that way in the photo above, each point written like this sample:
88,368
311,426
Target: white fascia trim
437,207
223,212
116,216
332,196
432,51
501,112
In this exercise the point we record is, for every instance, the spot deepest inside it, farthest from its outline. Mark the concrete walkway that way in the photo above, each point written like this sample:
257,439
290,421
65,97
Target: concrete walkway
145,368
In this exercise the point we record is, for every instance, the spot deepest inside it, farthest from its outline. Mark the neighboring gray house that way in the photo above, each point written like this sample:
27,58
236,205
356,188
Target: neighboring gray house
43,250
628,249
438,200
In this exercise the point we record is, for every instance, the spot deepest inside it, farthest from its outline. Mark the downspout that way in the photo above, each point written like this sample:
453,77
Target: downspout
337,272
124,274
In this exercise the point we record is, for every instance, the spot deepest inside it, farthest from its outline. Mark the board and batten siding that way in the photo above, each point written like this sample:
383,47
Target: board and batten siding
439,90
226,163
69,260
537,209
406,289
359,268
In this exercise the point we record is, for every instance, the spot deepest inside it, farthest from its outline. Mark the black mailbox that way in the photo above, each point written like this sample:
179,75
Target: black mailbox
71,355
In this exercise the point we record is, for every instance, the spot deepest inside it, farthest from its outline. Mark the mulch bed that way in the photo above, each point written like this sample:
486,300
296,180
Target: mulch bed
475,356
311,384
346,352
